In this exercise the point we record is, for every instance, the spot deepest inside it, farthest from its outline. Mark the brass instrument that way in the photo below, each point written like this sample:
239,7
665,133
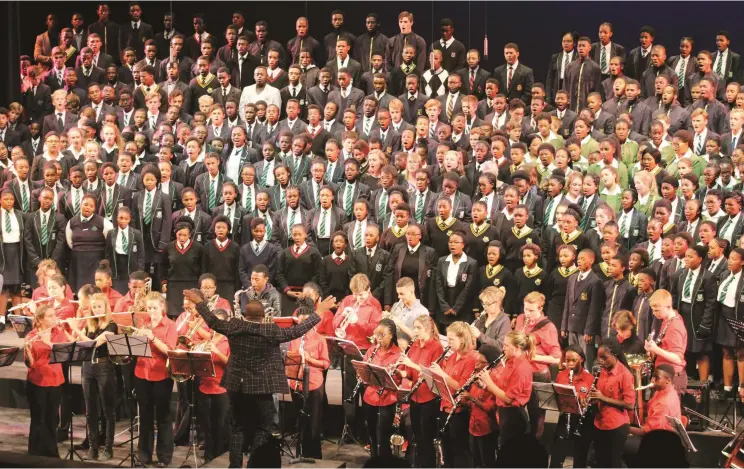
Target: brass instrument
351,316
187,340
206,346
236,303
358,386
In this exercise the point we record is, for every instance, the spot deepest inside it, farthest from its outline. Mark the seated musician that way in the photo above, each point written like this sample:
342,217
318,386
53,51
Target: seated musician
261,290
137,282
208,287
664,402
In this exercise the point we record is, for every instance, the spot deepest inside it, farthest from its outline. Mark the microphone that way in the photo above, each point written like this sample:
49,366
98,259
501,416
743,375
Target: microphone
648,386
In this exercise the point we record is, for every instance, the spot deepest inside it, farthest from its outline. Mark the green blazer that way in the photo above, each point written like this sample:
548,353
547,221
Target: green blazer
698,165
622,174
629,153
648,207
590,147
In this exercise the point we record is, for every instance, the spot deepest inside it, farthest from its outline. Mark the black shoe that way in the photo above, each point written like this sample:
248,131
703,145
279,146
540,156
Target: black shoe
91,455
107,454
82,446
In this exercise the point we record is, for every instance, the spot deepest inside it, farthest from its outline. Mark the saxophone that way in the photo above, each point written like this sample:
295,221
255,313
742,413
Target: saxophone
236,303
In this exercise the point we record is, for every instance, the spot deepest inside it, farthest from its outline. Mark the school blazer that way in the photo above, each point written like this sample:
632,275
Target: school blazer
704,300
160,225
585,301
202,225
21,217
379,270
122,197
135,250
237,220
56,245
463,290
338,216
636,230
201,186
281,218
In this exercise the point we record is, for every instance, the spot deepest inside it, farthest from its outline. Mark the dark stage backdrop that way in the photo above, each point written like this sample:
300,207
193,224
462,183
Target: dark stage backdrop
535,26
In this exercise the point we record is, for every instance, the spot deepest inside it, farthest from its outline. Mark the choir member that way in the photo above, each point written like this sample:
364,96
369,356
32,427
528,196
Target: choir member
494,273
312,351
152,384
325,220
192,209
125,250
184,264
615,395
257,251
298,264
531,277
493,324
221,256
417,261
456,369
437,230
641,309
86,236
44,382
455,280
153,218
43,236
376,264
619,294
335,269
729,301
425,350
99,375
480,233
401,214
514,237
557,281
12,250
214,397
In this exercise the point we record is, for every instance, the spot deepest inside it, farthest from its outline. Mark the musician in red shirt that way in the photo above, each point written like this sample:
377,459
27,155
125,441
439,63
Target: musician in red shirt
153,386
570,426
424,410
208,287
105,282
379,409
615,396
671,343
512,385
47,268
368,313
312,350
137,282
456,369
547,352
664,402
215,400
44,383
483,440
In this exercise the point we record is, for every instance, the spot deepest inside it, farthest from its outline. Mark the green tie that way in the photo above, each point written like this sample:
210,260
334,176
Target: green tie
268,228
603,60
725,226
248,198
229,216
124,242
148,208
109,203
688,284
121,179
264,173
546,219
77,202
24,198
44,230
651,254
317,195
321,231
349,195
282,198
358,236
726,285
7,222
719,67
212,195
624,225
420,209
291,220
383,204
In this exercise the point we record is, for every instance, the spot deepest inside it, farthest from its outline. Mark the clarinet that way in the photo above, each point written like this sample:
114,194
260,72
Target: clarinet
358,386
460,393
418,382
301,371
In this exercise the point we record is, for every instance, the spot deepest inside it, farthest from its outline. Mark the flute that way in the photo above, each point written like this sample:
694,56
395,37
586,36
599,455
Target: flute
26,304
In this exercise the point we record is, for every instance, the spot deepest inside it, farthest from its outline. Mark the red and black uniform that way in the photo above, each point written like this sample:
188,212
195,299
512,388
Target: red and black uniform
611,423
675,341
483,439
215,404
379,409
455,439
515,379
44,391
153,389
315,347
424,408
582,382
664,402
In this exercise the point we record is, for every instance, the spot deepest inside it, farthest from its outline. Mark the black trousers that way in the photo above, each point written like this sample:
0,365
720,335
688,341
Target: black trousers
43,402
536,414
513,421
349,383
484,449
565,445
99,392
379,428
215,408
608,446
424,425
66,396
154,399
253,419
311,418
126,404
456,439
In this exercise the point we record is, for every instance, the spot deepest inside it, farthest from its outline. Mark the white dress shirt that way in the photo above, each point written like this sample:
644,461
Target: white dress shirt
695,273
453,269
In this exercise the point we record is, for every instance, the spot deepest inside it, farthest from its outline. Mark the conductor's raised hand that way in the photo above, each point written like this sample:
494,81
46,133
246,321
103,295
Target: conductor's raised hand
326,305
193,295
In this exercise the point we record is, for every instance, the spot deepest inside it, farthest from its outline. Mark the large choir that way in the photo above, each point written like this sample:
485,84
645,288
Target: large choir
476,236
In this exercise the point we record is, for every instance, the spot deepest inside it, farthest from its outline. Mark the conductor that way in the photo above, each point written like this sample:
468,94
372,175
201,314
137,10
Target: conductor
255,370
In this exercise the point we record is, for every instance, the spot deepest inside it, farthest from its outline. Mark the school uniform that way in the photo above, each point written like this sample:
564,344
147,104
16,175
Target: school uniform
294,270
377,264
323,225
125,252
202,224
221,260
437,232
184,265
696,304
87,240
335,275
253,254
155,226
585,298
44,240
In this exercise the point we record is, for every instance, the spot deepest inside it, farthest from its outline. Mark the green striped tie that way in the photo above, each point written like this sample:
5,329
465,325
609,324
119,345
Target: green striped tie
76,202
282,198
349,195
268,228
264,173
383,204
420,209
321,230
124,242
248,198
724,290
44,230
688,284
358,236
546,218
292,219
7,222
212,195
148,208
24,198
109,203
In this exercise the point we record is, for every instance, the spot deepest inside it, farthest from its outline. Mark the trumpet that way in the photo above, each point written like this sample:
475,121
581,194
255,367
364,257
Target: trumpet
351,316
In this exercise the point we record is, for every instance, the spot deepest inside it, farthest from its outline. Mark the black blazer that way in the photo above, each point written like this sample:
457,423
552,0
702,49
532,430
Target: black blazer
584,304
237,220
202,225
479,84
361,191
160,225
427,263
460,297
55,248
38,105
128,37
122,197
636,230
553,79
201,186
521,84
616,50
731,69
338,217
21,217
379,270
135,250
704,301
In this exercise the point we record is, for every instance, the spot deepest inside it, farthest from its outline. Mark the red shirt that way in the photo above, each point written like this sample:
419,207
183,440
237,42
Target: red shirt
325,326
113,296
616,384
368,317
317,348
423,356
124,303
546,341
65,310
42,373
582,381
515,379
662,403
153,369
382,359
675,341
482,421
211,384
459,369
41,292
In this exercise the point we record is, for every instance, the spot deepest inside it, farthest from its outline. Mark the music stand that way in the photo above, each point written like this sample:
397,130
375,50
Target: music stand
68,353
347,348
191,365
126,346
21,324
566,399
679,429
375,375
295,367
546,396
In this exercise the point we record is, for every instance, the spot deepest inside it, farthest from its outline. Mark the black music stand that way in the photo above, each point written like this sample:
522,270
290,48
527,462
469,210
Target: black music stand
21,324
295,367
69,353
126,346
191,365
738,328
679,429
375,375
347,348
